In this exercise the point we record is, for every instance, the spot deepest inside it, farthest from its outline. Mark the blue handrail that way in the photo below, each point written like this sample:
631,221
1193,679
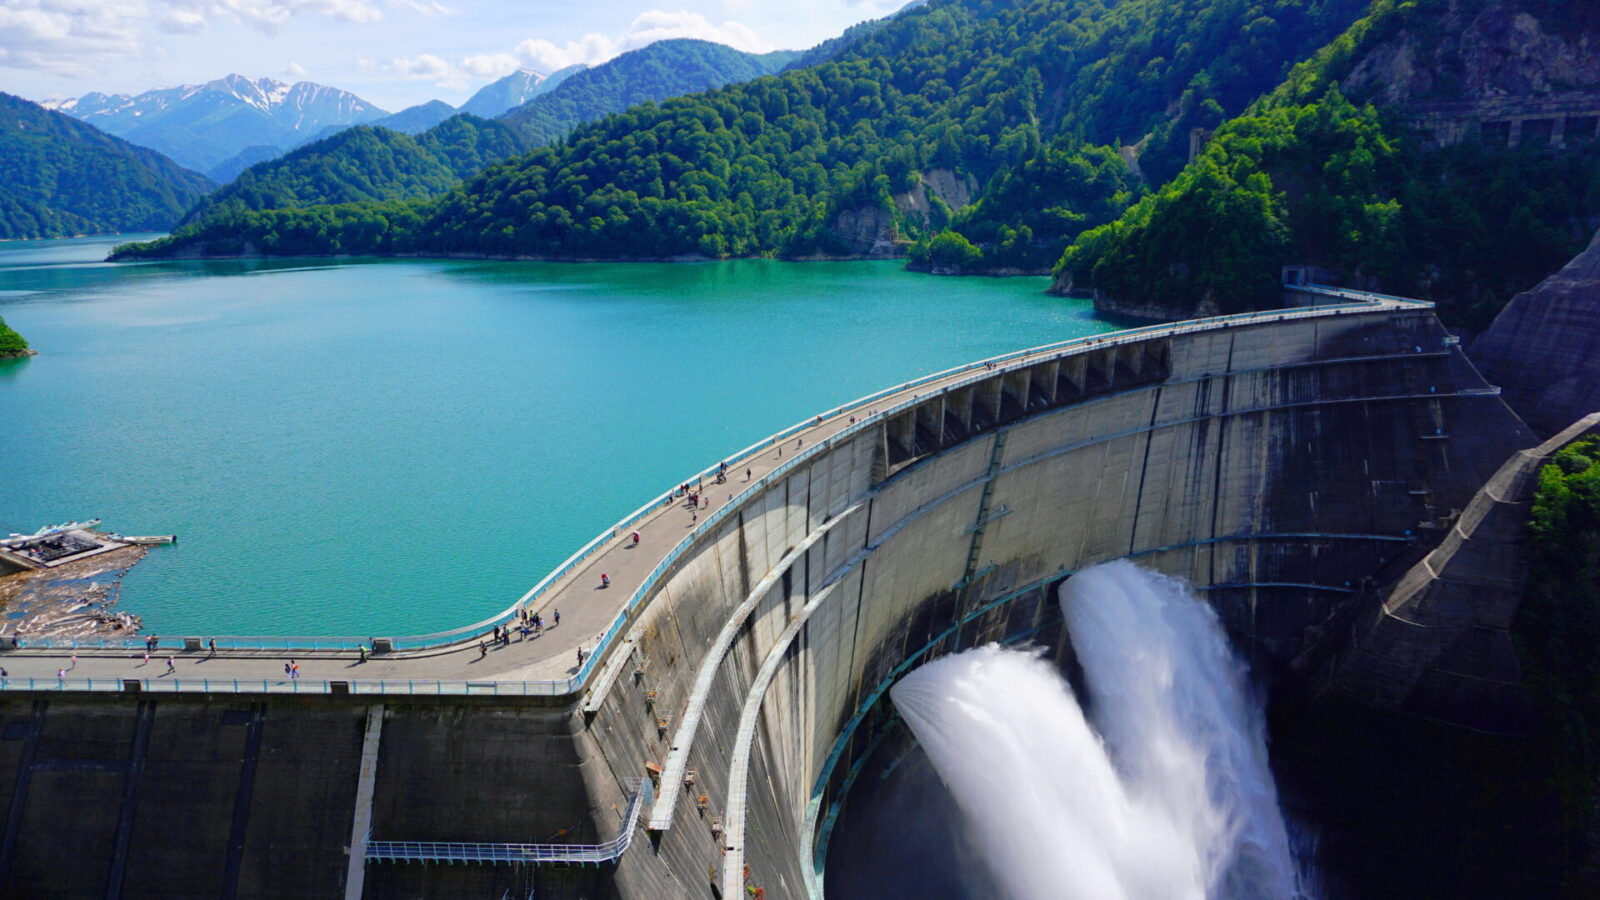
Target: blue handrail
519,854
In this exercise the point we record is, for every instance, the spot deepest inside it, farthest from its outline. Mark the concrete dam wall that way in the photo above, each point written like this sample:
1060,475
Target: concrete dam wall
1276,461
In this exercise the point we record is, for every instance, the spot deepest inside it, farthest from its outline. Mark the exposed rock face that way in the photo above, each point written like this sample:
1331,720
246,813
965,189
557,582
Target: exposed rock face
1481,51
1544,347
868,231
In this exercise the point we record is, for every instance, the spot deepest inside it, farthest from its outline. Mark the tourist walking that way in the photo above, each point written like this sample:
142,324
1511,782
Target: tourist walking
62,673
74,662
363,649
605,580
636,538
213,644
483,649
294,669
146,655
170,667
746,474
556,615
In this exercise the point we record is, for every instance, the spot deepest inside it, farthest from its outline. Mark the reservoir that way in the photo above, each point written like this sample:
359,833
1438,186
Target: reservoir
353,447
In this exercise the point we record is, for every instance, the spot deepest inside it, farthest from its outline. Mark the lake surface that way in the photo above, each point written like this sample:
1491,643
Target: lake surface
407,446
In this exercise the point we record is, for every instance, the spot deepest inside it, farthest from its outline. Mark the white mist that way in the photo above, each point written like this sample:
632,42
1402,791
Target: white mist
1166,793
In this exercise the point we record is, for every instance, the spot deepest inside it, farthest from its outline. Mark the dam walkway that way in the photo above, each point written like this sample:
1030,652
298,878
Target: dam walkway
593,616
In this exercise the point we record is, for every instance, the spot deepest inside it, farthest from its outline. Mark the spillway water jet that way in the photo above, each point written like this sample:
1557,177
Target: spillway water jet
1163,792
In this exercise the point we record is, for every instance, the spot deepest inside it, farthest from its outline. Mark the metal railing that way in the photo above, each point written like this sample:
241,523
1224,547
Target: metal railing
281,685
1357,302
519,854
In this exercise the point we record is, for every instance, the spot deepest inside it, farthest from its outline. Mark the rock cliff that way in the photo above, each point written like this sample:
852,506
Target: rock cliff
1544,347
1473,50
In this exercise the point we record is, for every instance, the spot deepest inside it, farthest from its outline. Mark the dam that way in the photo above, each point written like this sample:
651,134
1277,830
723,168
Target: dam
697,720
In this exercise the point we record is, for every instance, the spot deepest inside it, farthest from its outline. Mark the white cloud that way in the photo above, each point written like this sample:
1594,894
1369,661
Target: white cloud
592,49
295,70
270,15
429,67
490,65
429,8
75,37
63,36
660,25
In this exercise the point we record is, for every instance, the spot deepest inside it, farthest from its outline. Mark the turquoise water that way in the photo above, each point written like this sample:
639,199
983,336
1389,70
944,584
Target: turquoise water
405,446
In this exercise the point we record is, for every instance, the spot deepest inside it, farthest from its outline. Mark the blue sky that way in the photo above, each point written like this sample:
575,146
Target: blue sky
392,52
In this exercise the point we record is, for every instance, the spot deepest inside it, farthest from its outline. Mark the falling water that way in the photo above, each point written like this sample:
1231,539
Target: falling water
1164,792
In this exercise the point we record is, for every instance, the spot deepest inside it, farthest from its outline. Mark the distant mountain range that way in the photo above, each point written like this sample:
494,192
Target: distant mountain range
225,126
202,126
384,161
61,177
514,90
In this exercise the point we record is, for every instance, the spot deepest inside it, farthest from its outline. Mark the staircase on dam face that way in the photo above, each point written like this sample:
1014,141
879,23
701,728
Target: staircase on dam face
984,514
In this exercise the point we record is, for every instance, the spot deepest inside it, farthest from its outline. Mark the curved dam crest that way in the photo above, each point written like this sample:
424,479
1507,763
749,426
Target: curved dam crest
1274,461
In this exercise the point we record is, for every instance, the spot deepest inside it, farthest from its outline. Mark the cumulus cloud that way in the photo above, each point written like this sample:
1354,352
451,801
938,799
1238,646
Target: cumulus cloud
72,37
591,49
62,35
429,8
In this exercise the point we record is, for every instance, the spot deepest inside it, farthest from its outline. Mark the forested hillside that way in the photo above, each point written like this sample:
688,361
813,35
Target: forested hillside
368,163
1314,176
879,144
60,177
377,163
664,69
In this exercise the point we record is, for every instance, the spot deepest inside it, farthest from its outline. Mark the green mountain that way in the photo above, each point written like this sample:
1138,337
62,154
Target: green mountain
661,70
1387,160
908,123
375,163
60,177
367,163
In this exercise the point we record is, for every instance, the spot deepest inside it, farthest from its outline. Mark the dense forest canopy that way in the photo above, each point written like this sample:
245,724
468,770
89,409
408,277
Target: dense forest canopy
368,163
1309,176
659,71
977,88
60,177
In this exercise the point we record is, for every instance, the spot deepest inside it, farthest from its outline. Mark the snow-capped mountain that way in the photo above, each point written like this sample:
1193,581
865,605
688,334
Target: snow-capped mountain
204,125
514,90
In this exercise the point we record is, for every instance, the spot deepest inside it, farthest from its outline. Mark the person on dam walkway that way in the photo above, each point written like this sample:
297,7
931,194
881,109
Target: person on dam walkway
363,649
556,616
212,643
605,580
170,667
483,649
636,538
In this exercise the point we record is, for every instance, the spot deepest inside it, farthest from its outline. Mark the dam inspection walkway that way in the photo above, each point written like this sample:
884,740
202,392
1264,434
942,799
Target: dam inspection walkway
592,631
